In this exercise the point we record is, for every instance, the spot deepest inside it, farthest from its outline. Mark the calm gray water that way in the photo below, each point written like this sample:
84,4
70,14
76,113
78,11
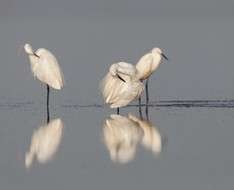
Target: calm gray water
198,153
191,96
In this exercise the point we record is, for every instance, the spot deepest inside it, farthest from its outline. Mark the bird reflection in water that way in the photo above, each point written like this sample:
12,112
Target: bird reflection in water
123,134
45,142
152,138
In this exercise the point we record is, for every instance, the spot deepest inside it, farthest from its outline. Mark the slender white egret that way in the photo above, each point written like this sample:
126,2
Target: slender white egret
45,68
147,65
45,142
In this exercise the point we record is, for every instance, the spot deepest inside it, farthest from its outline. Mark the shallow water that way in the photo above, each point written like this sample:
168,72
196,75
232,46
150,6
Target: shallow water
191,102
196,154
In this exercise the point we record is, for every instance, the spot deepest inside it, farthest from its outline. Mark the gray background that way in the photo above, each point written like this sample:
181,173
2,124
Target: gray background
87,37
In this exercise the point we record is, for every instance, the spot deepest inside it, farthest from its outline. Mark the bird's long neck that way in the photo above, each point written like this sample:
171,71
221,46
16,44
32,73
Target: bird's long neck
31,52
156,61
145,69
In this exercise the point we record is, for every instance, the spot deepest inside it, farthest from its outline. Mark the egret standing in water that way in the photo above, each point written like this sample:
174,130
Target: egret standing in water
45,68
121,85
123,82
147,65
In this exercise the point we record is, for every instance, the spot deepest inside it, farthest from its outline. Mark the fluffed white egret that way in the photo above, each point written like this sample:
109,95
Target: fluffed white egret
45,142
147,65
121,136
121,85
45,68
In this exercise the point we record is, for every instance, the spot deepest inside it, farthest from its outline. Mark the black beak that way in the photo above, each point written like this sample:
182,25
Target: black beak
36,55
164,56
121,78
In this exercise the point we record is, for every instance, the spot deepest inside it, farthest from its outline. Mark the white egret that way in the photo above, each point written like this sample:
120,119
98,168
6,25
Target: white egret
45,68
147,65
121,136
121,85
45,142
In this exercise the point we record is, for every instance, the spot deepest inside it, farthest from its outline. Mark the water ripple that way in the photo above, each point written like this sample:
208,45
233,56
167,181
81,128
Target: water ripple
171,103
163,103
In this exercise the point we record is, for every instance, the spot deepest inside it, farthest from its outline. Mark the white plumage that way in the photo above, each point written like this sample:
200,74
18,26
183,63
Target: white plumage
149,63
45,67
123,83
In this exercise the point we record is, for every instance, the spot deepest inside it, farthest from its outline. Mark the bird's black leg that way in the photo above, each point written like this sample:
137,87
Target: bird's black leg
147,91
147,98
140,112
48,103
117,111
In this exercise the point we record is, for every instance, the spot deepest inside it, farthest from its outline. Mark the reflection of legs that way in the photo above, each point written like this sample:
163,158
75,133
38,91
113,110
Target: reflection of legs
139,101
117,111
48,103
147,112
140,112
